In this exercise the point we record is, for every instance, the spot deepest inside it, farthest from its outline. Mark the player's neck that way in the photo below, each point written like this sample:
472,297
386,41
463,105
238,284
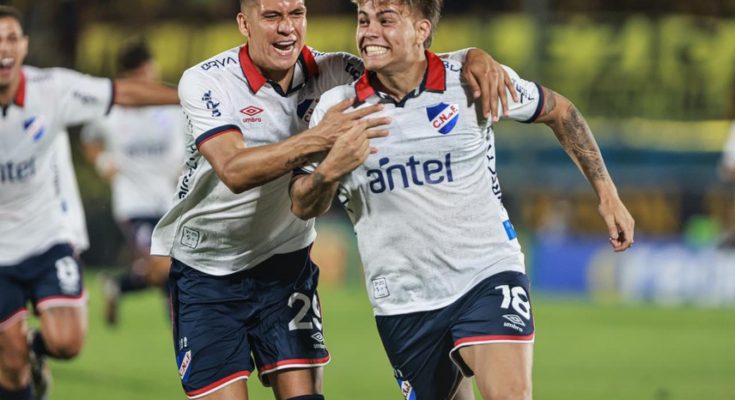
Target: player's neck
282,78
400,83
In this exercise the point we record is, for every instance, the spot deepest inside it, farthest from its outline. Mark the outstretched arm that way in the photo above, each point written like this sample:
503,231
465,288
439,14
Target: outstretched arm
576,138
132,92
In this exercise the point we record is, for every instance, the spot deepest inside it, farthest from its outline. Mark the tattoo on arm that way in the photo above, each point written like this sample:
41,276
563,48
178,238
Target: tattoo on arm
296,162
576,138
549,102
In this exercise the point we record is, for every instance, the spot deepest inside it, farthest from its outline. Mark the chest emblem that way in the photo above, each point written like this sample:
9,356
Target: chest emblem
34,128
443,117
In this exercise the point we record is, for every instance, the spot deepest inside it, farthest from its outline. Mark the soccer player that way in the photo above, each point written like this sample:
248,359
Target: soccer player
444,269
242,283
727,172
37,264
140,151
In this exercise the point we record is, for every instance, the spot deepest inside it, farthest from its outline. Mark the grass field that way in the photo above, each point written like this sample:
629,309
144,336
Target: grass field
583,351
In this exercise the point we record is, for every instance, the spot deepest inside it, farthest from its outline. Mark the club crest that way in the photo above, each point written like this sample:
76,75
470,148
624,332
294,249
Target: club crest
443,117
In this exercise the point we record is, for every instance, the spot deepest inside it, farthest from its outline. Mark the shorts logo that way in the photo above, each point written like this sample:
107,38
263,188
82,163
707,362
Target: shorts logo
190,238
319,338
251,112
380,288
514,319
443,117
184,362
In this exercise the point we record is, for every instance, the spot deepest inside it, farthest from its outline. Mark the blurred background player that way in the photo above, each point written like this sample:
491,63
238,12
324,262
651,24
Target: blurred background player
727,172
443,265
37,261
140,151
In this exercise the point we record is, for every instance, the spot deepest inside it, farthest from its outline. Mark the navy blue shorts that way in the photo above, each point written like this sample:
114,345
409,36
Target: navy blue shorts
266,317
423,347
51,279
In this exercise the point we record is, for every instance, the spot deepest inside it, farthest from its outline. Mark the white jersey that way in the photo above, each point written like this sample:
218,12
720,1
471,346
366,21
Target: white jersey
147,147
48,100
426,208
68,192
210,228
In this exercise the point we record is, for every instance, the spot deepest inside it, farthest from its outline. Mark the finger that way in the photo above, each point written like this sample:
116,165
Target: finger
377,133
503,94
510,86
472,83
492,96
342,105
486,87
373,150
612,227
363,112
373,122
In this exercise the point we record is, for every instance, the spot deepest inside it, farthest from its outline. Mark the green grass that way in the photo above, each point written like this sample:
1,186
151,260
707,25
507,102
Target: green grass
583,351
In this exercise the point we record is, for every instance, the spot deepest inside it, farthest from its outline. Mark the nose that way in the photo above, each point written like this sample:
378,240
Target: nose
286,26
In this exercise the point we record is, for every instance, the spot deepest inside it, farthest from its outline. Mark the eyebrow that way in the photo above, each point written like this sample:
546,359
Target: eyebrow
381,13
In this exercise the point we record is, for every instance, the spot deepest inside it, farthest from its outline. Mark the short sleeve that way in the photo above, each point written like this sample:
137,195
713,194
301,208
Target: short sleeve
203,107
82,97
530,99
336,69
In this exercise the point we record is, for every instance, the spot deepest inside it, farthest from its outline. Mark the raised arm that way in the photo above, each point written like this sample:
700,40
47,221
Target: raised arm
490,84
132,92
576,138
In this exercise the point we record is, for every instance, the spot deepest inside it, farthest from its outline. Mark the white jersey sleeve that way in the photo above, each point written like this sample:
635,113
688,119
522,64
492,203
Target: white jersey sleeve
82,97
95,131
202,103
530,99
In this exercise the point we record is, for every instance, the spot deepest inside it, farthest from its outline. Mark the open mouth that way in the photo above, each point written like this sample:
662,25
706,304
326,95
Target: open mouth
285,47
7,63
373,50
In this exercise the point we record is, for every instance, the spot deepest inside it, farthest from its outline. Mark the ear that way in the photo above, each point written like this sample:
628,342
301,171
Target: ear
423,30
242,25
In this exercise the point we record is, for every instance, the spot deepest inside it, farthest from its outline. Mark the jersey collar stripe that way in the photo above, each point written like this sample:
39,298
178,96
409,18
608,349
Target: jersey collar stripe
212,133
436,78
255,79
312,68
20,95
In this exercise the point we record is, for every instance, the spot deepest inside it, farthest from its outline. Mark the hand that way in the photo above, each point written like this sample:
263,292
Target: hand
620,223
349,151
337,122
488,81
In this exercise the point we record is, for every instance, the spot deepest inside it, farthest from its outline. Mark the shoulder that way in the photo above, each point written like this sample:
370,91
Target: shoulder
336,94
338,62
212,69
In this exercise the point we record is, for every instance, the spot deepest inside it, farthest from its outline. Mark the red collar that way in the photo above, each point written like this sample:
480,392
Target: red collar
256,80
20,95
434,79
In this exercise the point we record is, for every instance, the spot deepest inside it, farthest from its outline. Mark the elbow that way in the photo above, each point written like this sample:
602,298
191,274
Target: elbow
302,213
235,182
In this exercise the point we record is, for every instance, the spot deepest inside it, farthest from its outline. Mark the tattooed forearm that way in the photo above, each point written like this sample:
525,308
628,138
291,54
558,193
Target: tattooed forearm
311,196
549,102
295,162
576,138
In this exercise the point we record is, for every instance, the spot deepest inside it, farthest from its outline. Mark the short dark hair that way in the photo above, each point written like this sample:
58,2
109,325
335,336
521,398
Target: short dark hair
12,12
429,9
133,56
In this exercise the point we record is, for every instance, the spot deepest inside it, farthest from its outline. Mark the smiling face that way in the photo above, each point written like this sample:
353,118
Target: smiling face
13,50
275,30
390,35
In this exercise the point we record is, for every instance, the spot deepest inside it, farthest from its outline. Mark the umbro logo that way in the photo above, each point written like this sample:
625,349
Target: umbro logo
514,319
251,111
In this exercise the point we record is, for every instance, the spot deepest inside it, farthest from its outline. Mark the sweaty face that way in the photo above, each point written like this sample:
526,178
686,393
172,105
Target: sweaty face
388,35
13,50
275,31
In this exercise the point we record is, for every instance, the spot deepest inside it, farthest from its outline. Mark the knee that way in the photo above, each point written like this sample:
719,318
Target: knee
64,348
